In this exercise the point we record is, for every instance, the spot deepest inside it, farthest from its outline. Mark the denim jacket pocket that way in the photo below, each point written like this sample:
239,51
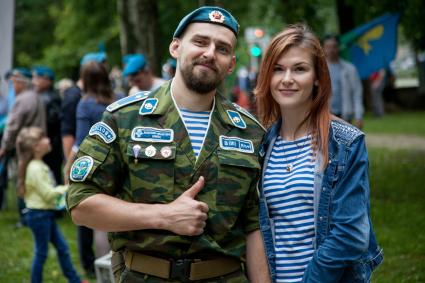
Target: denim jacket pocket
361,271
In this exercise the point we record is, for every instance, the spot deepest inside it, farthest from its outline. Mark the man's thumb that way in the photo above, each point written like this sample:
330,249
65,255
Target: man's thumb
193,191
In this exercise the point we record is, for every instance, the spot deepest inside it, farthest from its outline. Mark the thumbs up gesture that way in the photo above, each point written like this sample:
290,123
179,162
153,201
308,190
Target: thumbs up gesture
185,215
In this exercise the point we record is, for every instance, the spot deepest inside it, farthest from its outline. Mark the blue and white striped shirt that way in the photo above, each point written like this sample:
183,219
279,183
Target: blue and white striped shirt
197,126
288,188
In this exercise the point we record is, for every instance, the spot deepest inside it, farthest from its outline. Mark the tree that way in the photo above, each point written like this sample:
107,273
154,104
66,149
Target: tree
139,26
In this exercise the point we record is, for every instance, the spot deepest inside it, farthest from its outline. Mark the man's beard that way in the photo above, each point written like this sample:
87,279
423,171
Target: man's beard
201,82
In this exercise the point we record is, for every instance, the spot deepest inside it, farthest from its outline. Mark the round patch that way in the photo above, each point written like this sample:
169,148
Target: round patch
166,151
148,106
236,120
150,151
81,168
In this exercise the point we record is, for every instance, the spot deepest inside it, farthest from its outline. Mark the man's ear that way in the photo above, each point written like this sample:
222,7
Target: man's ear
174,48
232,65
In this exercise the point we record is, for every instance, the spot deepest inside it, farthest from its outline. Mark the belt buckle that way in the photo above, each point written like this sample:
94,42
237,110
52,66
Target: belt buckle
180,269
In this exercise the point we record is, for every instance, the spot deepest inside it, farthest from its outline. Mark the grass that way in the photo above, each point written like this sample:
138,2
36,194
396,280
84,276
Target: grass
405,123
397,203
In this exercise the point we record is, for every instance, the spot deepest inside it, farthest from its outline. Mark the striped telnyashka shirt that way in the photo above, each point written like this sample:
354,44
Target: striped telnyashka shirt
288,188
197,126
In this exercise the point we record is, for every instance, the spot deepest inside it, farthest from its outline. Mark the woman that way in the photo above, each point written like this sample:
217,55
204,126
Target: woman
314,206
97,96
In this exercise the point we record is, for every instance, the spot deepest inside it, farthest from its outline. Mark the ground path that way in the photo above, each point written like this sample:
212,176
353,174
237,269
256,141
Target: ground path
392,141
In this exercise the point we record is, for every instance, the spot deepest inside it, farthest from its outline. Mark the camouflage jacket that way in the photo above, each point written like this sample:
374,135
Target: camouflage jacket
141,152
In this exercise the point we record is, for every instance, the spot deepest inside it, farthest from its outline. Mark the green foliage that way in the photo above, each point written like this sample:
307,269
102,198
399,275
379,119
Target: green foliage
59,33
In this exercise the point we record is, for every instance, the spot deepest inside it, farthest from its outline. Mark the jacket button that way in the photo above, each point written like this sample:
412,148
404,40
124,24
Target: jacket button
321,218
330,161
323,189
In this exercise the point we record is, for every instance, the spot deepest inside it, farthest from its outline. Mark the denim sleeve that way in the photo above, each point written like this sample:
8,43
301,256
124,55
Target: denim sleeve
348,236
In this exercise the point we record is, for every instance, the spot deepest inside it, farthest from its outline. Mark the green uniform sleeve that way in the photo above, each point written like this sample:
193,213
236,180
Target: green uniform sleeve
105,172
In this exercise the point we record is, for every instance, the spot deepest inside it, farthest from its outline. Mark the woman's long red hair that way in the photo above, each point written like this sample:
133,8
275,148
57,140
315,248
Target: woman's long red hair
319,117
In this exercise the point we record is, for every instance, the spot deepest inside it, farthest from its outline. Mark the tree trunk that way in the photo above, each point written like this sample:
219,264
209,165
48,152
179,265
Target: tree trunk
139,28
345,16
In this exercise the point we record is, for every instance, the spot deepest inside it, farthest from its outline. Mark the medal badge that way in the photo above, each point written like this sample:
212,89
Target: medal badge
150,151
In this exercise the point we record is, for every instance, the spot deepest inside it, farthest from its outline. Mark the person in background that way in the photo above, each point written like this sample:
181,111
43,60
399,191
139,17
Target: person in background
27,110
314,194
62,85
42,198
347,89
70,102
172,173
169,69
43,80
139,75
97,95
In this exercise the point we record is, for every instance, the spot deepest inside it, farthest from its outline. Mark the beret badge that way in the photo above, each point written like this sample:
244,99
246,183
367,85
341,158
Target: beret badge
216,16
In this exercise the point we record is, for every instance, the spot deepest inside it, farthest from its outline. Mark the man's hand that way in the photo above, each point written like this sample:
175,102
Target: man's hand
2,152
185,215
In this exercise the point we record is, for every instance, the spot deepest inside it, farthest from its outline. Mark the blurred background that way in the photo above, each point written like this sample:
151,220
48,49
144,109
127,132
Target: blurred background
390,34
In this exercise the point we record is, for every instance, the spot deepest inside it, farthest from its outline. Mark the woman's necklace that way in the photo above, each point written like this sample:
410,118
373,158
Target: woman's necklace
289,165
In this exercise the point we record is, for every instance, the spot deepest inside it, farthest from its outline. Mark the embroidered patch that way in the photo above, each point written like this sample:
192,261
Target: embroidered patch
237,144
148,106
236,119
103,131
127,100
81,168
148,134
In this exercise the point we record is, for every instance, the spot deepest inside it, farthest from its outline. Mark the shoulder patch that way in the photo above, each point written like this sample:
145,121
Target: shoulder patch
127,100
103,131
81,168
249,115
236,119
345,133
148,106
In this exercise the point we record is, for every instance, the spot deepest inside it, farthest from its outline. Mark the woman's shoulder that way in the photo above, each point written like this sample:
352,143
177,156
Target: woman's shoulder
343,132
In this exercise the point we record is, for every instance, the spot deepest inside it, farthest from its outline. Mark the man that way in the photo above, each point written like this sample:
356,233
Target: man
139,75
347,89
28,110
172,173
43,79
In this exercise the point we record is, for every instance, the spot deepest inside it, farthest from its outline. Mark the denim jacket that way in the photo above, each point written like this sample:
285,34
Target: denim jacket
345,245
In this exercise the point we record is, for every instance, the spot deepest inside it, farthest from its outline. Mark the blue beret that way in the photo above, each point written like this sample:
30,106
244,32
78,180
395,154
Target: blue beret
23,72
128,57
136,63
172,62
211,15
43,71
98,57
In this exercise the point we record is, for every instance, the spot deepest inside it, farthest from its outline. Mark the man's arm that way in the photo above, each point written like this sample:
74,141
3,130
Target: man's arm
183,216
256,261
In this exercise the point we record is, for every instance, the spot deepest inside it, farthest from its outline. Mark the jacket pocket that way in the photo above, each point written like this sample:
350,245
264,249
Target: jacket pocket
151,171
237,173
